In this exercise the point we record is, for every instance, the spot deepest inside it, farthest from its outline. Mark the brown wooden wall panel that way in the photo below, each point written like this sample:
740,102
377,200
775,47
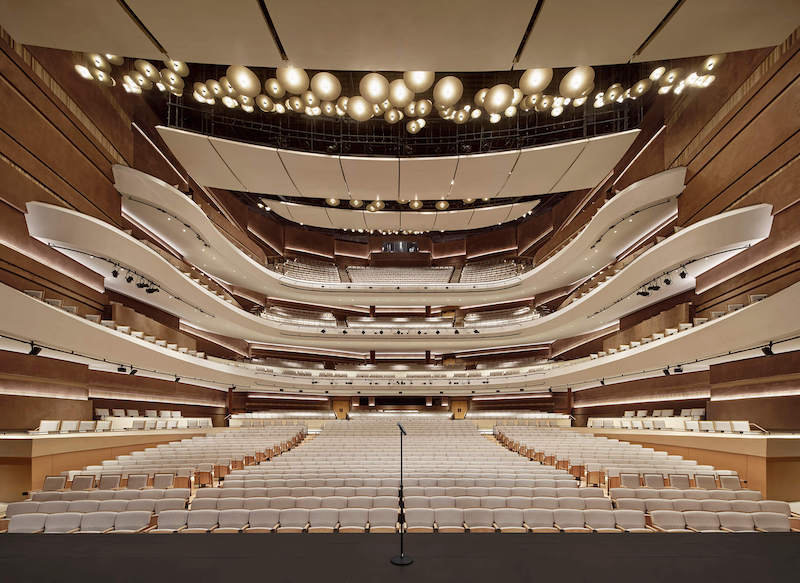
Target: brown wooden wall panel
347,250
498,241
453,248
533,231
19,413
771,413
686,386
302,240
104,385
267,231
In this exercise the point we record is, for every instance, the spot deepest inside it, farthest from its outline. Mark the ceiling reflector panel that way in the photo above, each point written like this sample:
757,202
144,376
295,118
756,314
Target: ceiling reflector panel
538,169
596,160
489,216
371,178
315,175
426,178
482,175
201,160
258,168
417,221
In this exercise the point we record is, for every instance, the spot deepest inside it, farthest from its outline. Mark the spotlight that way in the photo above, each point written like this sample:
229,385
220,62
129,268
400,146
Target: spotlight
667,281
767,350
683,274
177,379
151,289
115,272
129,278
141,284
666,371
654,287
133,371
120,368
35,350
678,369
602,382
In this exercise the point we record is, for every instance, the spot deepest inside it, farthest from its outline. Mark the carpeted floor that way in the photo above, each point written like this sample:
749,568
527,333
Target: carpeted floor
365,558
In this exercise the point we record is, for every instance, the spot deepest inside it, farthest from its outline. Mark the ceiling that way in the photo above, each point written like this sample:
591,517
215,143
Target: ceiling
457,220
367,35
247,167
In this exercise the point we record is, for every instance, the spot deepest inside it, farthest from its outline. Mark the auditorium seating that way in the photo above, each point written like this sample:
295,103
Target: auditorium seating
491,270
679,423
121,423
297,317
399,275
311,270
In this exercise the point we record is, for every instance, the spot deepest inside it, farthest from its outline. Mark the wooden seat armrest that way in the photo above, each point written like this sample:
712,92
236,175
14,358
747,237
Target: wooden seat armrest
692,529
725,529
73,531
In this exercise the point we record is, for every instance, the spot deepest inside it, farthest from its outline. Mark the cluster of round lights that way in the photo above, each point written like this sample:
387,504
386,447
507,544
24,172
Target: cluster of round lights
142,77
415,205
291,89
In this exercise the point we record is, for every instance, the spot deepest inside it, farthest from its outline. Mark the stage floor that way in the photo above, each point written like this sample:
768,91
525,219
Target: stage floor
437,557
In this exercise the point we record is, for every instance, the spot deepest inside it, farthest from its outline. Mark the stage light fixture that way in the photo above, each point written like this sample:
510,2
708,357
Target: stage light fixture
120,368
35,350
683,274
666,371
115,272
129,278
603,382
133,371
767,350
151,290
177,379
678,369
141,284
667,281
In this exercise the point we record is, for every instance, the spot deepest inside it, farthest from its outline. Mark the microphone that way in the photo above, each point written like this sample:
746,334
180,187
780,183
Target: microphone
402,430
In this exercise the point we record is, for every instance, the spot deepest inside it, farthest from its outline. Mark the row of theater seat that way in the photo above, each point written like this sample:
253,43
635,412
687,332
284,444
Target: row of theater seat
561,481
693,493
295,520
125,494
154,506
407,491
703,521
650,505
522,502
309,502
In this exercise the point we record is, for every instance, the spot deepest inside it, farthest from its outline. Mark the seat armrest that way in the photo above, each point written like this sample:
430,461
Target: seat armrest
656,528
724,529
692,529
73,531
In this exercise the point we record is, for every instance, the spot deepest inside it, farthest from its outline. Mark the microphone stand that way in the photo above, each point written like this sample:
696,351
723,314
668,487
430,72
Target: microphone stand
401,560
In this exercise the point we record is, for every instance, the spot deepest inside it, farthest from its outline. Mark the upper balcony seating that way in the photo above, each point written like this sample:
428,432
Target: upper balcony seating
399,275
491,270
311,270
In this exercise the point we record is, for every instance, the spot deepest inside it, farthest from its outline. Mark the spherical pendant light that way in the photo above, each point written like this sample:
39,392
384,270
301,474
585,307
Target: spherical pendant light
359,108
379,204
229,102
214,87
264,103
518,95
328,108
99,62
612,93
448,90
147,69
243,80
201,89
480,96
332,201
510,111
171,79
227,87
422,108
657,73
476,113
577,82
461,116
244,100
355,203
293,79
374,87
641,87
413,127
442,205
411,109
535,80
274,88
419,81
178,67
342,102
392,116
309,98
115,60
326,86
528,102
295,104
102,77
671,77
144,82
498,98
399,93
543,103
712,62
415,205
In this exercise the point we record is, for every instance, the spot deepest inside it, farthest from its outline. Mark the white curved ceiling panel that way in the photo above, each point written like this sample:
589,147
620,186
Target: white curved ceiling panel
371,178
452,220
539,169
186,27
426,178
482,175
606,32
306,214
419,221
596,160
88,26
366,35
382,220
315,175
492,215
346,219
257,168
705,27
201,160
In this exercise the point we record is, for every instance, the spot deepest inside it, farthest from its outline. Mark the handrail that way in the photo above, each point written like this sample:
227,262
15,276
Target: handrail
759,427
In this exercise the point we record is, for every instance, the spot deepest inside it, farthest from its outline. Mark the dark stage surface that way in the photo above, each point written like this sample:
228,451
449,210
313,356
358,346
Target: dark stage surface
437,557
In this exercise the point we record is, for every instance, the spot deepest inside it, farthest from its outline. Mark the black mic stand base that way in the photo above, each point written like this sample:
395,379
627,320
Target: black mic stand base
401,560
